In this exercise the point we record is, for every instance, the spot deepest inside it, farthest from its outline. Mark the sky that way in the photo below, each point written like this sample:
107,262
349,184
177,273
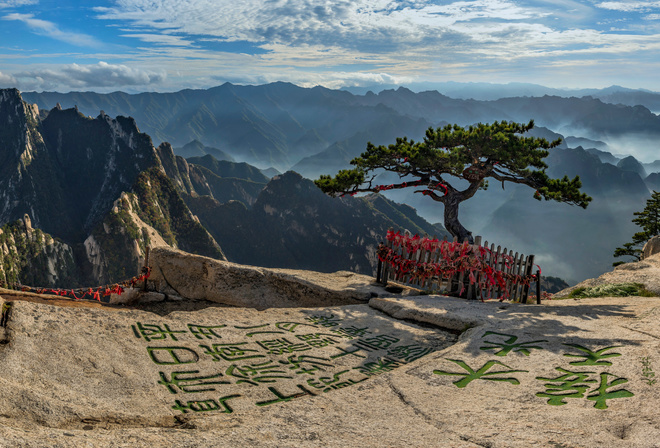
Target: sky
169,45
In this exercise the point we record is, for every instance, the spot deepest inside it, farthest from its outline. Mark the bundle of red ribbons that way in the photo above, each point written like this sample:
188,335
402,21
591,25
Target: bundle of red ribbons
455,258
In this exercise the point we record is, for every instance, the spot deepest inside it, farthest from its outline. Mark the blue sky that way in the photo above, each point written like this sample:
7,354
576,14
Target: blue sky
168,45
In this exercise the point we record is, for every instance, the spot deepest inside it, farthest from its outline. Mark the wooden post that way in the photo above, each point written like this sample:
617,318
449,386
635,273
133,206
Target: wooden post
528,273
379,267
538,287
386,268
146,265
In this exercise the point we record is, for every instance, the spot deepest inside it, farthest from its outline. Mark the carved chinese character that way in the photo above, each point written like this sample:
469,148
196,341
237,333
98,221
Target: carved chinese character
510,344
172,355
281,398
231,352
318,340
314,363
380,342
253,327
324,321
265,372
201,331
190,382
382,365
206,405
347,352
592,358
151,332
351,332
569,385
481,374
291,326
601,395
409,353
329,383
281,346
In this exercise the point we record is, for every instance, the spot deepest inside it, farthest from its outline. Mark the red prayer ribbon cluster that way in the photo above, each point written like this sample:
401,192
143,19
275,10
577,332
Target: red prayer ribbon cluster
94,293
455,258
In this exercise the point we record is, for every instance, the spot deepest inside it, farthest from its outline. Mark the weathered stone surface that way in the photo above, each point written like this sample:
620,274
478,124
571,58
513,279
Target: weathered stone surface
651,247
337,376
646,272
107,377
199,278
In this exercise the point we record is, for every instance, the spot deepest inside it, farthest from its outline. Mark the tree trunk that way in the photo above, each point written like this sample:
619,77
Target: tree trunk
452,224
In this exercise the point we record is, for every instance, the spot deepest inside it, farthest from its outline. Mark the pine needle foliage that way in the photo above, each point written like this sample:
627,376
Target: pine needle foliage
499,151
649,220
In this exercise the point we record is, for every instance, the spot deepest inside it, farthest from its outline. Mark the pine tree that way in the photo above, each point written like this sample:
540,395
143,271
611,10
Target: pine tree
649,220
498,151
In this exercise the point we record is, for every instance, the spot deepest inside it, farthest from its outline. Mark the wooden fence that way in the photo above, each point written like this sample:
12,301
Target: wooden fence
502,272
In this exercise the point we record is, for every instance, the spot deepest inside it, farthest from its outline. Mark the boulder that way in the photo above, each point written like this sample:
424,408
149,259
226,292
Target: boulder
179,274
651,247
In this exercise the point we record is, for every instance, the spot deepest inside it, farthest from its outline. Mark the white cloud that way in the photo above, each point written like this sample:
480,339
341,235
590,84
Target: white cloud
7,81
15,3
630,6
330,80
50,29
89,76
384,33
349,42
347,23
161,39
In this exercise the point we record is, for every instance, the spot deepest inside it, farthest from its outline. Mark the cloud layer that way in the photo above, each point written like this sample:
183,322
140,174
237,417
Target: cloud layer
171,44
88,76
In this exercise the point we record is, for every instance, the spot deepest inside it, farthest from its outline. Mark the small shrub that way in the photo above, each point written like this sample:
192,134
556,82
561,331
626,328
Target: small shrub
612,290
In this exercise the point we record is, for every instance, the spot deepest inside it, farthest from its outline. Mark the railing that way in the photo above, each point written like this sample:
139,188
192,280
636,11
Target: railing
472,271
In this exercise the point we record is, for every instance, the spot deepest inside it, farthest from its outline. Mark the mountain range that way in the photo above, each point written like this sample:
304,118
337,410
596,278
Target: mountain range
489,92
96,192
279,126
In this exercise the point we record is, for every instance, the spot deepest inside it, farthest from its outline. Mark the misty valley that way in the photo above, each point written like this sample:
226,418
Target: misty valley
227,173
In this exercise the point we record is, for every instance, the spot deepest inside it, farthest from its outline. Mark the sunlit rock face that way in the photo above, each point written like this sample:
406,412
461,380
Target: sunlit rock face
67,171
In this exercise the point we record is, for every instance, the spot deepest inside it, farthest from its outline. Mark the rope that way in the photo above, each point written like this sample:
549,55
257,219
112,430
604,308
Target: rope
95,293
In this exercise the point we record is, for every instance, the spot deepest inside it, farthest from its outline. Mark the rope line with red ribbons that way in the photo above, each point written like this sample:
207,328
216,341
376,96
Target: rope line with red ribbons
95,293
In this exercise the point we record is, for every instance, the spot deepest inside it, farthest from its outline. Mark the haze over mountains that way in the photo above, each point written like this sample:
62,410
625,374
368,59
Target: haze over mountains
318,131
82,197
489,92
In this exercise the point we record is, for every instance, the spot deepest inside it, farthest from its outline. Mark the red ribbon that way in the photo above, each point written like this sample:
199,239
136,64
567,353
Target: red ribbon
95,293
455,258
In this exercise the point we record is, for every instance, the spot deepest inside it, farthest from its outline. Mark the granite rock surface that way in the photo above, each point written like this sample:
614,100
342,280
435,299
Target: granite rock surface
422,371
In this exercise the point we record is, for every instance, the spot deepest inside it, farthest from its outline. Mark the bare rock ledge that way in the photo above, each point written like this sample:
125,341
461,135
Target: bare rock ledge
299,359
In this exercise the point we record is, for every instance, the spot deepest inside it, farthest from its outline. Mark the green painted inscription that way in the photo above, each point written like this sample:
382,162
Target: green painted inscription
482,373
590,357
509,344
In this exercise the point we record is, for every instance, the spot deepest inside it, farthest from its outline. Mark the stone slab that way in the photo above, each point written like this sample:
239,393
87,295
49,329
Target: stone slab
79,377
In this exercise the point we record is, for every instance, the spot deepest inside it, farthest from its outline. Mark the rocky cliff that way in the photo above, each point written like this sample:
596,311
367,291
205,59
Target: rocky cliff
293,224
29,256
98,184
101,186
